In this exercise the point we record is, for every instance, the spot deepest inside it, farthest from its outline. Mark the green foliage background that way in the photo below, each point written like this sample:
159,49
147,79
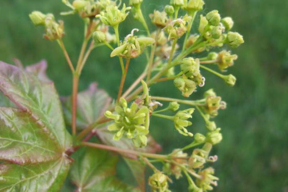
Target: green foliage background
254,153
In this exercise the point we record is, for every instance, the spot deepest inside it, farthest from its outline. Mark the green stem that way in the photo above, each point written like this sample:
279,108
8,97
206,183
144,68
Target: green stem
202,114
190,24
191,146
142,20
212,71
116,30
172,51
150,65
163,116
187,102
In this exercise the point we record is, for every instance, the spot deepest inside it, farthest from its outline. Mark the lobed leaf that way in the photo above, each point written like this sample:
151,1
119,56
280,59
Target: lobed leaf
33,138
35,97
94,171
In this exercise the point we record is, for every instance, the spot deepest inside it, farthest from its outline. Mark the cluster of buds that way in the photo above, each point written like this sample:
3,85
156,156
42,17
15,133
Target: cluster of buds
191,77
53,30
132,46
177,28
207,179
130,122
212,28
159,182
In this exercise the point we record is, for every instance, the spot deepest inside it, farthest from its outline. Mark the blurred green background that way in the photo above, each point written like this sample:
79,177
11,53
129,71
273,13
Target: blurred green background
254,153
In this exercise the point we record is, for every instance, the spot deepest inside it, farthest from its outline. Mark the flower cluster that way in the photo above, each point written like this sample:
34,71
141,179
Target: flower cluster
130,122
168,59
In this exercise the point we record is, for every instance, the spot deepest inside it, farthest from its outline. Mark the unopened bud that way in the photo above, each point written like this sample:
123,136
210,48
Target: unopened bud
174,106
234,39
177,3
228,23
230,79
37,18
214,137
199,138
210,93
99,37
194,5
216,32
79,4
135,2
212,56
211,125
213,18
169,10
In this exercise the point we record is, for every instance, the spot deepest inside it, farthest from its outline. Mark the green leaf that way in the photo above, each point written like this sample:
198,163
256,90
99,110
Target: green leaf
35,97
42,177
94,171
138,170
91,104
33,138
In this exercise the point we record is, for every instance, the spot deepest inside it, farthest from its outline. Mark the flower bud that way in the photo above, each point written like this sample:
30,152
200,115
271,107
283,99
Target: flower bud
135,2
203,25
214,137
199,138
99,37
79,4
169,10
234,39
177,3
212,56
158,181
210,93
194,5
228,23
213,17
37,18
211,125
173,106
216,32
230,79
186,86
